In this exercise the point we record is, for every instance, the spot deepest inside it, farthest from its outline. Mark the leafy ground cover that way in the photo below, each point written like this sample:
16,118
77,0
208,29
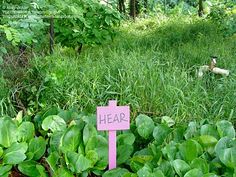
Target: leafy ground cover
66,143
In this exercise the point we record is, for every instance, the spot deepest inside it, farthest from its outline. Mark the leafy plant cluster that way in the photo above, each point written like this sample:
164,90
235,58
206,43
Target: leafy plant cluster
76,22
65,143
224,14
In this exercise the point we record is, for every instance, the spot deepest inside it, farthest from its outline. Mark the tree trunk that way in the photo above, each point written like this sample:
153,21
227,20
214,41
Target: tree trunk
80,48
145,4
132,7
51,34
200,8
121,6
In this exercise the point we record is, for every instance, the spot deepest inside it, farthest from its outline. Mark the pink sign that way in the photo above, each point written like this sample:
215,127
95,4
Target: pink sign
112,118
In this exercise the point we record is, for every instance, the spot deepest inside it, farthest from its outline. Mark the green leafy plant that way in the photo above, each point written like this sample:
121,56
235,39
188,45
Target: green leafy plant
65,142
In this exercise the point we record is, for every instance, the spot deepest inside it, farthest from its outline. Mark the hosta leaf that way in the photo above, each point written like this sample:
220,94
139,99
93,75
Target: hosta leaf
125,138
29,168
92,156
208,129
63,172
8,132
225,128
145,125
4,169
194,173
89,131
207,141
200,164
71,139
26,131
191,131
180,166
54,123
160,133
189,150
37,147
52,161
100,145
226,151
123,153
15,154
117,172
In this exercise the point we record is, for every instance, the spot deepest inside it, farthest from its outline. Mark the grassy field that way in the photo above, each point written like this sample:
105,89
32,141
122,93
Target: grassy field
151,65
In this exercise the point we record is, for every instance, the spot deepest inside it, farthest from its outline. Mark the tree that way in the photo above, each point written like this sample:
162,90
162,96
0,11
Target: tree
200,8
121,6
132,7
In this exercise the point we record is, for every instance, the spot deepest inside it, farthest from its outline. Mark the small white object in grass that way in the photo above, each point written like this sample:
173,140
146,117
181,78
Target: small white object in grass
215,70
223,72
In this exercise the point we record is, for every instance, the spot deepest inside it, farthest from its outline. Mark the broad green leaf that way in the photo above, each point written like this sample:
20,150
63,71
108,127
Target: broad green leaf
145,125
145,171
83,164
117,172
123,153
160,133
208,129
37,146
166,168
143,156
158,173
63,172
200,164
168,121
71,139
78,163
26,131
100,145
170,150
125,138
180,166
225,128
29,168
189,150
191,131
15,154
178,134
55,141
41,170
4,169
54,123
207,141
52,161
194,173
89,131
226,151
92,156
8,132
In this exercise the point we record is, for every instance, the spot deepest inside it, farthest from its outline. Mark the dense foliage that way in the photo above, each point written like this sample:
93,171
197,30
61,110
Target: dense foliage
143,53
60,142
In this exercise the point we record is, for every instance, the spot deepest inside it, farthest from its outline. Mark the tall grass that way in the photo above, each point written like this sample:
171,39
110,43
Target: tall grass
151,66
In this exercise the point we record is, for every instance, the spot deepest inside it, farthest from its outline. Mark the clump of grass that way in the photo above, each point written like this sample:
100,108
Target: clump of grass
152,70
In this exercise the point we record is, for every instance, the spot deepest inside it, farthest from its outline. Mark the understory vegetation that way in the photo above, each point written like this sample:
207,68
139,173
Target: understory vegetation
65,58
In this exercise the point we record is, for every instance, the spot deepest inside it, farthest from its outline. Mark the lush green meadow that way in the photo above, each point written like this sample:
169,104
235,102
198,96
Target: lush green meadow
151,65
56,70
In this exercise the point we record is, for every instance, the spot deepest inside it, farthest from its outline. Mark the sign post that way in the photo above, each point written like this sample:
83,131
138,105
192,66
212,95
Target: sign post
112,118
